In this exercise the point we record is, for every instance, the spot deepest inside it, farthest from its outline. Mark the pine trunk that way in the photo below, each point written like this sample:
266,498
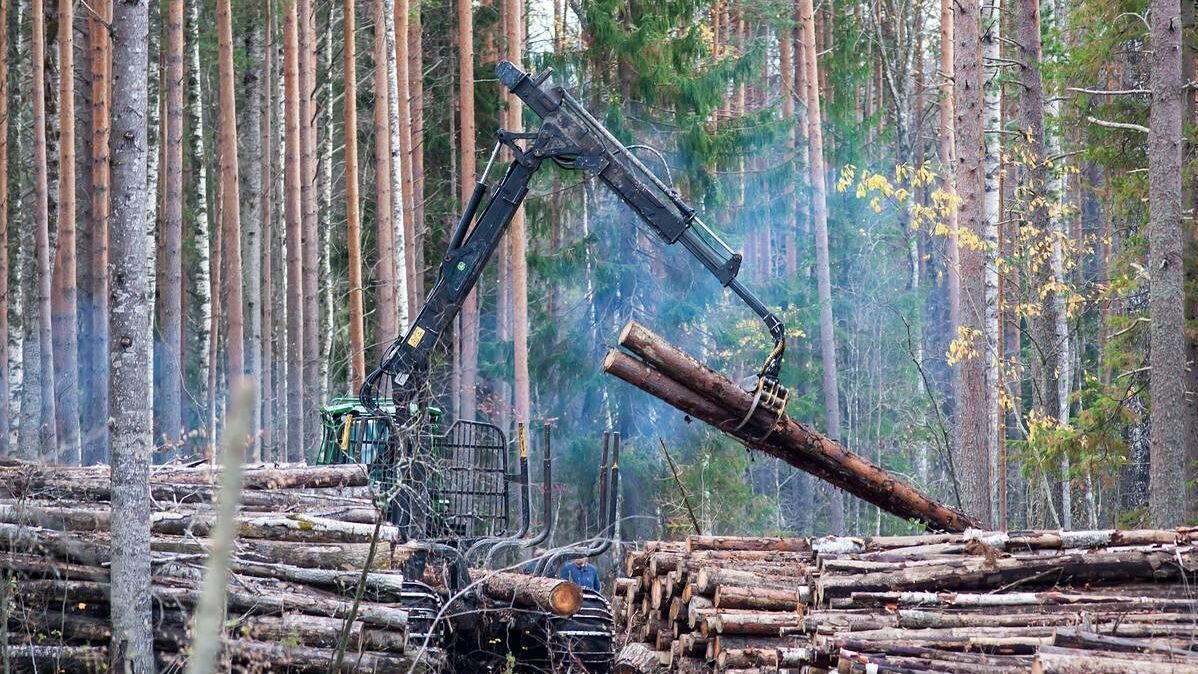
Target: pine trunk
518,235
295,398
468,397
131,352
1166,298
975,395
170,424
353,221
309,237
47,434
823,274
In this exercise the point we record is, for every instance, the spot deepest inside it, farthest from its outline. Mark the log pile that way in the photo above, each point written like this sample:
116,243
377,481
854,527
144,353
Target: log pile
1043,601
304,536
657,367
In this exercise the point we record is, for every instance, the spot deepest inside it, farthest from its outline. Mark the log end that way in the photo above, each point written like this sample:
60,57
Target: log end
565,599
610,359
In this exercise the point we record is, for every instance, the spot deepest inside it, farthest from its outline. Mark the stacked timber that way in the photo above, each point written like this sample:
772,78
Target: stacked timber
1042,601
304,535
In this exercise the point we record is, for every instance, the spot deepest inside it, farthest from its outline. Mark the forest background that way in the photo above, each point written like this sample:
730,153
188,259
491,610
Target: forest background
975,218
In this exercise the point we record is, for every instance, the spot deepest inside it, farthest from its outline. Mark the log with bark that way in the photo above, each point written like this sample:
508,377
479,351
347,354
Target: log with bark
672,375
547,594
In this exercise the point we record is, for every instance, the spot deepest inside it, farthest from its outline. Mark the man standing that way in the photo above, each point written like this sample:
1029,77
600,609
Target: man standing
581,573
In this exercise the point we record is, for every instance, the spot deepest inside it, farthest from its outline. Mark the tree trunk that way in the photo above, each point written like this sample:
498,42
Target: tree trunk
353,222
294,224
518,234
309,236
255,161
47,433
387,304
974,394
94,430
170,425
416,158
401,155
132,344
992,51
823,273
267,408
230,195
469,322
1166,299
201,284
948,162
398,172
5,388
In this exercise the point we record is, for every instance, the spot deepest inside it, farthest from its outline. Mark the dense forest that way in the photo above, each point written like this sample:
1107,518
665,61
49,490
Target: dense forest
974,217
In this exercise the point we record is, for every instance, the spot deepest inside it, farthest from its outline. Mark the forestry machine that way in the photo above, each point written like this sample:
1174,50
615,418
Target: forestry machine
448,492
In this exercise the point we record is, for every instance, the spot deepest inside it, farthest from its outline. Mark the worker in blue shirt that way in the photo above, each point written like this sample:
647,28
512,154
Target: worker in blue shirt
581,573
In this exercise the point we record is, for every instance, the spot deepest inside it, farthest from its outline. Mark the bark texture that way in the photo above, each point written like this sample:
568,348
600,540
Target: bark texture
131,354
975,395
1166,304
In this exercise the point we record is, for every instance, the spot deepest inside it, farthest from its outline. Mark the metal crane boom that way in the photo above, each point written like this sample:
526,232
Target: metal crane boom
571,137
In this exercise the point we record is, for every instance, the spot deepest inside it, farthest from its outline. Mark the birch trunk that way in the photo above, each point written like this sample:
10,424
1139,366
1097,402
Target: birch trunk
992,104
132,344
5,390
266,408
329,282
390,303
397,170
401,152
198,206
255,160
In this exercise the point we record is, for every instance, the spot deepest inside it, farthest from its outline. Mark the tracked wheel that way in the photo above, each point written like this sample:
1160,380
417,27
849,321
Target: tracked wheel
423,603
582,643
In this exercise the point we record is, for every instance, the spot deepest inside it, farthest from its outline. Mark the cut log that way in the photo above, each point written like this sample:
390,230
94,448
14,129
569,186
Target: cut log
637,658
695,543
1061,661
750,623
548,594
682,381
709,578
757,598
983,573
743,658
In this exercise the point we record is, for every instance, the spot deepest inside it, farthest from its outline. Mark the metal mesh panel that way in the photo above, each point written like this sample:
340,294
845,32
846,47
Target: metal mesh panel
448,486
468,485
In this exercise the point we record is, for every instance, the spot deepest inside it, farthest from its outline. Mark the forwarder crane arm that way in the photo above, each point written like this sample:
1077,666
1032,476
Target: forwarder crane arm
574,139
